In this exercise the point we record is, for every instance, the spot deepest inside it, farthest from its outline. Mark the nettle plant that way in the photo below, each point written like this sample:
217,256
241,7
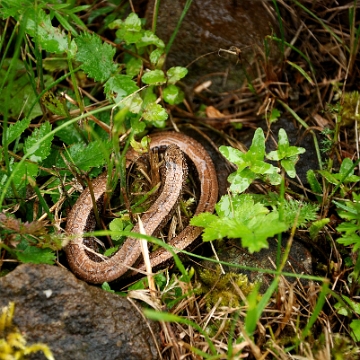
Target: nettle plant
134,90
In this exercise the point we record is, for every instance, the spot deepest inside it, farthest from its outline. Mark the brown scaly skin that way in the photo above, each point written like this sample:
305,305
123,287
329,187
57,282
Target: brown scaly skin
81,219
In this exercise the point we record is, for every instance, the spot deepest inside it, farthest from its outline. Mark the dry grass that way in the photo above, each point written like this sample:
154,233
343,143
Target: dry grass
326,50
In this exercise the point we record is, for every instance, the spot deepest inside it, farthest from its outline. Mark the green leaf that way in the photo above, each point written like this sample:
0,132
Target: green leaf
314,183
15,130
106,287
120,86
355,327
239,217
299,212
234,155
39,151
50,38
173,95
154,77
240,181
285,151
342,310
116,225
86,157
96,57
149,38
316,226
176,73
22,94
132,23
257,148
133,103
274,116
301,71
15,8
347,169
329,177
34,255
289,167
20,176
155,112
156,56
133,66
56,105
348,240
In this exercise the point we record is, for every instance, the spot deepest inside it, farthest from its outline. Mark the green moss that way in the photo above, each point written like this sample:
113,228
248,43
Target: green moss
350,108
221,289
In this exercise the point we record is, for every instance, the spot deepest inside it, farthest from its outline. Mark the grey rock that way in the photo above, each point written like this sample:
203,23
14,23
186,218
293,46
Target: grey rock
211,25
76,320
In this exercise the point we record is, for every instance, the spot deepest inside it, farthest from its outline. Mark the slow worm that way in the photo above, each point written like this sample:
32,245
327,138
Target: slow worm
81,218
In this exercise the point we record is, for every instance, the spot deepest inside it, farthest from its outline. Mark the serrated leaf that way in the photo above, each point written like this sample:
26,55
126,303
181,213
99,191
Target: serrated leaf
155,112
86,157
14,131
96,57
15,8
51,38
348,240
240,217
154,77
119,86
35,255
176,73
39,150
173,95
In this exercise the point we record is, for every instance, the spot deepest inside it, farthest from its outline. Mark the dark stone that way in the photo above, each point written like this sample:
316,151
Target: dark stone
211,25
299,261
76,320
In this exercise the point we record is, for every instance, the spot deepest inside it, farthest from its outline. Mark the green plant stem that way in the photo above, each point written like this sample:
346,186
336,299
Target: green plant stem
41,199
74,82
8,44
173,35
174,252
155,16
275,38
350,171
9,77
303,123
163,316
58,81
281,28
281,218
